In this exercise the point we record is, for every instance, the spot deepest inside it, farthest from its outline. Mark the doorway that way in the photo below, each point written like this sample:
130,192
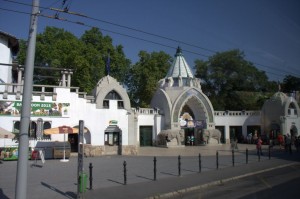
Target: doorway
146,135
189,136
73,140
113,140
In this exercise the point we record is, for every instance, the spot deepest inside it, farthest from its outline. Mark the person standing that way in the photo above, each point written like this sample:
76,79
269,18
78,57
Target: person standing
258,146
288,143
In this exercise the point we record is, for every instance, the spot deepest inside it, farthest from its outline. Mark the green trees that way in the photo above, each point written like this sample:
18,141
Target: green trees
144,76
231,82
291,84
87,55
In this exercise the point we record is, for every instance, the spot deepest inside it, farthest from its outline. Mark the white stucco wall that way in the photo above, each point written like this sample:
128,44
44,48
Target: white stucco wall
96,120
5,57
237,118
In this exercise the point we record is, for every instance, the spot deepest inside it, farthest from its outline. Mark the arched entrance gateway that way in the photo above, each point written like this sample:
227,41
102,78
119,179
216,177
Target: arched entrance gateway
194,112
182,102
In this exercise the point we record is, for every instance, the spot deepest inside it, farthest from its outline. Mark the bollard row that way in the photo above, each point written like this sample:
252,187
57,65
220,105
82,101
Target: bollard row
179,165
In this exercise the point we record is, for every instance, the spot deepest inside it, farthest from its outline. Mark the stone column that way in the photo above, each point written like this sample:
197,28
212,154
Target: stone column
19,87
63,78
69,78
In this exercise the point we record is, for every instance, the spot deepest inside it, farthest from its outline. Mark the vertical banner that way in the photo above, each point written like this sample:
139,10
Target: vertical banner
80,158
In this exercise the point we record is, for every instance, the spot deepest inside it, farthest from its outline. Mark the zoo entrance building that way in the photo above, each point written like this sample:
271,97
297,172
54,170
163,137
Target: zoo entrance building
112,126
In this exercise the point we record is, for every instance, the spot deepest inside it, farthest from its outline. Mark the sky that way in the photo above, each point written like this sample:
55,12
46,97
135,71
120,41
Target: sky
267,31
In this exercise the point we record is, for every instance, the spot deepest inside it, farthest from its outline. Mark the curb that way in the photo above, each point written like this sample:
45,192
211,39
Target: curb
214,183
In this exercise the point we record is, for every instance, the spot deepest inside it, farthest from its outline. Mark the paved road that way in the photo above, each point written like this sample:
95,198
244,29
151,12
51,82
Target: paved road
271,184
59,180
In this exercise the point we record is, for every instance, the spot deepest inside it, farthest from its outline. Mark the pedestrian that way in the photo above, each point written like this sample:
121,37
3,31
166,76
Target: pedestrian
297,143
235,144
249,138
255,137
280,140
288,143
258,146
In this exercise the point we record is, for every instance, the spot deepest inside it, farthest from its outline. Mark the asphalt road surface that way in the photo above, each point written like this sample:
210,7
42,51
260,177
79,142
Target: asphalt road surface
281,183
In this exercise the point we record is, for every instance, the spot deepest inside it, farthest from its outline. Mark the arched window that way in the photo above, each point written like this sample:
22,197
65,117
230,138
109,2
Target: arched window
47,125
113,95
16,127
32,130
292,109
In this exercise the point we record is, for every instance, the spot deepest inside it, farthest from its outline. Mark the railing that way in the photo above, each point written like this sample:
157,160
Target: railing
237,113
146,111
39,90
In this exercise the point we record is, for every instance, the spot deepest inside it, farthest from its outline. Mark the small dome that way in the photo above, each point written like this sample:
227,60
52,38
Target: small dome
179,67
279,96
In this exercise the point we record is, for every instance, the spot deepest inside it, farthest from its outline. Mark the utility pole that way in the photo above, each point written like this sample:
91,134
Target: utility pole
22,168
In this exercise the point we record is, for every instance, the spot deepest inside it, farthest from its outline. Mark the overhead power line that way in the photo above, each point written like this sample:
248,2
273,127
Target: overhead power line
119,25
106,30
126,35
118,33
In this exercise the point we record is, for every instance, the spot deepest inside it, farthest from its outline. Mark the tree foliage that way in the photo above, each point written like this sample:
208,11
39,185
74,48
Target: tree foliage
87,55
291,84
144,76
231,82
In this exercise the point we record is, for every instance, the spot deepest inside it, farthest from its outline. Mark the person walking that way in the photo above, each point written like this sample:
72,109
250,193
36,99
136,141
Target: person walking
258,146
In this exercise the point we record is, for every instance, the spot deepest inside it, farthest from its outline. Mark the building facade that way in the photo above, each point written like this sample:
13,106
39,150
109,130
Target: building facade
114,127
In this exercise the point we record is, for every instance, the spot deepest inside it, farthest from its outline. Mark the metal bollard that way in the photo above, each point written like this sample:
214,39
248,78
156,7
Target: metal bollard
246,155
232,157
200,164
91,176
154,170
125,173
217,159
269,152
179,166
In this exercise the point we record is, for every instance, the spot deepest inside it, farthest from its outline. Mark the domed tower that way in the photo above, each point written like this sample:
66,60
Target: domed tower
280,115
181,101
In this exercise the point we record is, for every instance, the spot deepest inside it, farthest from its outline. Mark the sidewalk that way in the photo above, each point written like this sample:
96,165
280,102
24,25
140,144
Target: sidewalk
173,186
58,180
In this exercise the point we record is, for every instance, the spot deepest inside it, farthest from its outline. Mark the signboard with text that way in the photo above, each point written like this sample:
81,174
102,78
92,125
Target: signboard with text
38,109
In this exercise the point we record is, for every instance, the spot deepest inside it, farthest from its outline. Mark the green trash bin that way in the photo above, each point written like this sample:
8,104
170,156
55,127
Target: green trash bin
82,182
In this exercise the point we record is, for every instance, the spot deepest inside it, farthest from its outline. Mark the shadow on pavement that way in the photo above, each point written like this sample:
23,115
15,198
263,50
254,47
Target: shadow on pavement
192,171
170,174
122,183
144,177
66,194
2,195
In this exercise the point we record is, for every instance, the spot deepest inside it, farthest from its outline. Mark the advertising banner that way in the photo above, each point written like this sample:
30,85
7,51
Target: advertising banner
38,109
11,153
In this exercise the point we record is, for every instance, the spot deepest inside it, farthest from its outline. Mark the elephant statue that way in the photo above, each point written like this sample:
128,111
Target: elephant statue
212,133
168,135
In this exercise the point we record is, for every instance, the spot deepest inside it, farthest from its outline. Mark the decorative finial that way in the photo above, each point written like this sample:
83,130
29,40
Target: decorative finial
178,51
